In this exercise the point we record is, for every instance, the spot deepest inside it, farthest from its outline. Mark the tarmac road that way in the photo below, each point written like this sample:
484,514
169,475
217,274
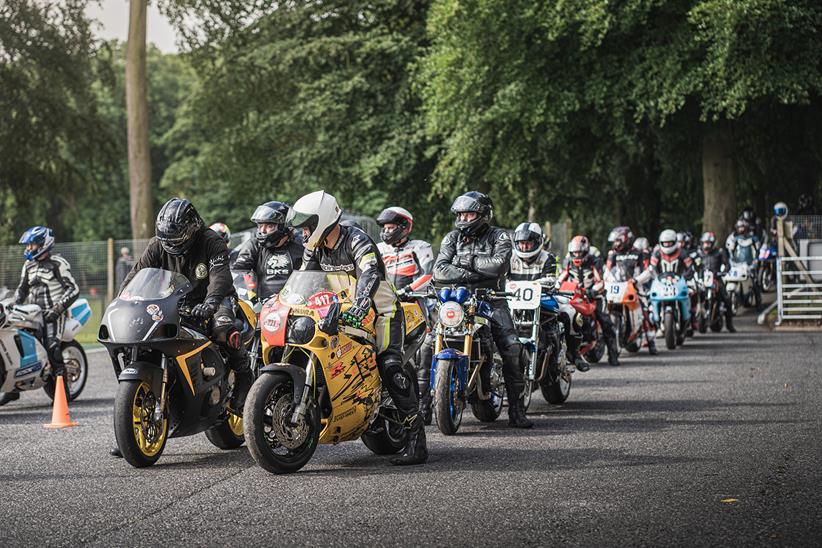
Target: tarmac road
716,443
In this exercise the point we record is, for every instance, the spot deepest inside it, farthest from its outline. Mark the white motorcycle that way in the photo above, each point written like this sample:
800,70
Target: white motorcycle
24,361
739,285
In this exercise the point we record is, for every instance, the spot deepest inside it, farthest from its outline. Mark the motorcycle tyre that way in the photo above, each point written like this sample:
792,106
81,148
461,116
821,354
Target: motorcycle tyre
447,424
124,426
253,414
379,440
77,387
670,330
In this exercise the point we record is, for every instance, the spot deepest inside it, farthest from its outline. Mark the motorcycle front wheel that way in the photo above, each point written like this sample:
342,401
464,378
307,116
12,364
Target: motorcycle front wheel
448,407
670,330
556,386
139,436
274,444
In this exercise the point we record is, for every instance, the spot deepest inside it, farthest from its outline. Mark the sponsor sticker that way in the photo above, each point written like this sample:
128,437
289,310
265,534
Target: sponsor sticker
272,323
201,271
152,309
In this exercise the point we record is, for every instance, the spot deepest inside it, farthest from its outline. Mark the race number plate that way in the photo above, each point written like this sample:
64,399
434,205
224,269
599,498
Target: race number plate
525,294
615,291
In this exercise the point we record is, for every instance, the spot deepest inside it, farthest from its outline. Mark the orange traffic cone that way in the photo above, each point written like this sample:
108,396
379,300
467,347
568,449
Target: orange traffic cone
60,417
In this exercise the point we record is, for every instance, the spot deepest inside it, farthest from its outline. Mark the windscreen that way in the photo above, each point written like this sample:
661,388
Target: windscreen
153,284
304,287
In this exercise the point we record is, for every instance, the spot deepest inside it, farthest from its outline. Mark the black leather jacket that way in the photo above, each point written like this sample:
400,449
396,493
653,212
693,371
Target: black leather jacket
715,261
205,265
356,254
478,261
272,266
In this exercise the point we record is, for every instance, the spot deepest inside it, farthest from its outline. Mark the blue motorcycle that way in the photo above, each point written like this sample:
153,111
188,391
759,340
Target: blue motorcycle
671,303
465,369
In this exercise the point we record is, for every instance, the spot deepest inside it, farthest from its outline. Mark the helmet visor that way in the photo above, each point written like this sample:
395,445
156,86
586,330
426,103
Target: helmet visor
466,203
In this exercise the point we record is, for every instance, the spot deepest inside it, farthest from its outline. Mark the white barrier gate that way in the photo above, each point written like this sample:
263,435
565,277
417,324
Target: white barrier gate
798,289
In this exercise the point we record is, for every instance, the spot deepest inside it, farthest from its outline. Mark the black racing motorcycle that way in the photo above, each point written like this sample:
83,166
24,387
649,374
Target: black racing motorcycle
174,381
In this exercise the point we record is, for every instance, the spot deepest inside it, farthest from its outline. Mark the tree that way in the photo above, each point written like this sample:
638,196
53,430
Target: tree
299,96
52,138
139,160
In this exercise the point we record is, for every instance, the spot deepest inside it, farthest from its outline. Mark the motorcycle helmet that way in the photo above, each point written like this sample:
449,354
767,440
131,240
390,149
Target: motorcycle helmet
473,202
395,216
317,213
708,241
40,236
621,238
742,226
748,214
667,241
178,224
805,204
528,240
271,213
780,209
578,249
642,244
222,230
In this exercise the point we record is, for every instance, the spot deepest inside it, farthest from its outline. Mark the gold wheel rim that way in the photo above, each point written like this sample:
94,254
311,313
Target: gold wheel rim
149,440
235,422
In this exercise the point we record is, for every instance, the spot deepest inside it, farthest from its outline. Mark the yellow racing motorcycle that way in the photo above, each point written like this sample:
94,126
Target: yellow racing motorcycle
326,387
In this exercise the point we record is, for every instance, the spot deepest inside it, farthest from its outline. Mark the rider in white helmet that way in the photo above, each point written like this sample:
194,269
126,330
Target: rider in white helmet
331,247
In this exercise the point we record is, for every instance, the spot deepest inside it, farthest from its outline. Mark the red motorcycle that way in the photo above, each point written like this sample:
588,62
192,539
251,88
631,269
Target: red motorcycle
582,311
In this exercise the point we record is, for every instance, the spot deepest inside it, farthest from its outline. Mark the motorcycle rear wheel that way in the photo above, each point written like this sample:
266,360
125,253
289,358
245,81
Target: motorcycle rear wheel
670,330
268,407
447,406
76,363
140,438
385,437
556,386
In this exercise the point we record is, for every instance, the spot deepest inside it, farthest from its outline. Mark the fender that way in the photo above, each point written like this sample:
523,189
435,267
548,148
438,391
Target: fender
143,371
450,354
297,375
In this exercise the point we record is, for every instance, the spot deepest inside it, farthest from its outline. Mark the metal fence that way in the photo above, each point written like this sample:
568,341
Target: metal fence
799,292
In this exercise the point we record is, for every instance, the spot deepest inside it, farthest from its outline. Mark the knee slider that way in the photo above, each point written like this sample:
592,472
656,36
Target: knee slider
397,377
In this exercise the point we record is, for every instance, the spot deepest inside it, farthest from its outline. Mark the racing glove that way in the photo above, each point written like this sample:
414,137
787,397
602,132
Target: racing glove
53,313
591,293
357,313
204,311
465,262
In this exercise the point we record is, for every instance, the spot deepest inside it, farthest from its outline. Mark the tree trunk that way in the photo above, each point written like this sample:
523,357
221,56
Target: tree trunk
532,200
139,160
718,181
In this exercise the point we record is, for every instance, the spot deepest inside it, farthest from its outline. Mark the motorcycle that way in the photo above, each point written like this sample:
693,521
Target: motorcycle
24,363
320,382
245,285
671,303
739,283
767,267
626,311
710,309
583,312
173,380
464,368
535,310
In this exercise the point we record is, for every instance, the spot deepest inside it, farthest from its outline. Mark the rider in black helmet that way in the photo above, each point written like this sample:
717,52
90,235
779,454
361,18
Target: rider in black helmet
183,244
273,254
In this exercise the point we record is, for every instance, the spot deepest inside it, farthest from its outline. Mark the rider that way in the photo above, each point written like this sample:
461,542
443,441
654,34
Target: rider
716,261
184,245
583,270
408,265
478,255
335,248
272,254
670,257
531,261
743,247
754,223
46,281
634,265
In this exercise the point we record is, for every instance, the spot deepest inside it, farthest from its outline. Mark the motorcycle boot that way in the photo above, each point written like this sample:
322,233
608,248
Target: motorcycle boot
9,397
652,347
416,449
514,386
574,356
115,452
424,379
613,351
729,321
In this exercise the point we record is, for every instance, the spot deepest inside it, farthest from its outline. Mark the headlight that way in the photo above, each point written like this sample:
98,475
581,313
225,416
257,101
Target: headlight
300,330
451,314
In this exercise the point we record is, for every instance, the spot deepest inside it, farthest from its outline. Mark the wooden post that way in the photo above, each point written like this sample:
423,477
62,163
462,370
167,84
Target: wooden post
110,270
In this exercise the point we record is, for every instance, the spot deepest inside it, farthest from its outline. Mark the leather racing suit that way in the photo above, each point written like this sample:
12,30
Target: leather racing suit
588,276
716,261
356,254
49,284
271,266
635,265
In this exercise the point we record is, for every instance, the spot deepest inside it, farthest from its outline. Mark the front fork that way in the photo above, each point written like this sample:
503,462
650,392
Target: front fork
299,411
161,402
